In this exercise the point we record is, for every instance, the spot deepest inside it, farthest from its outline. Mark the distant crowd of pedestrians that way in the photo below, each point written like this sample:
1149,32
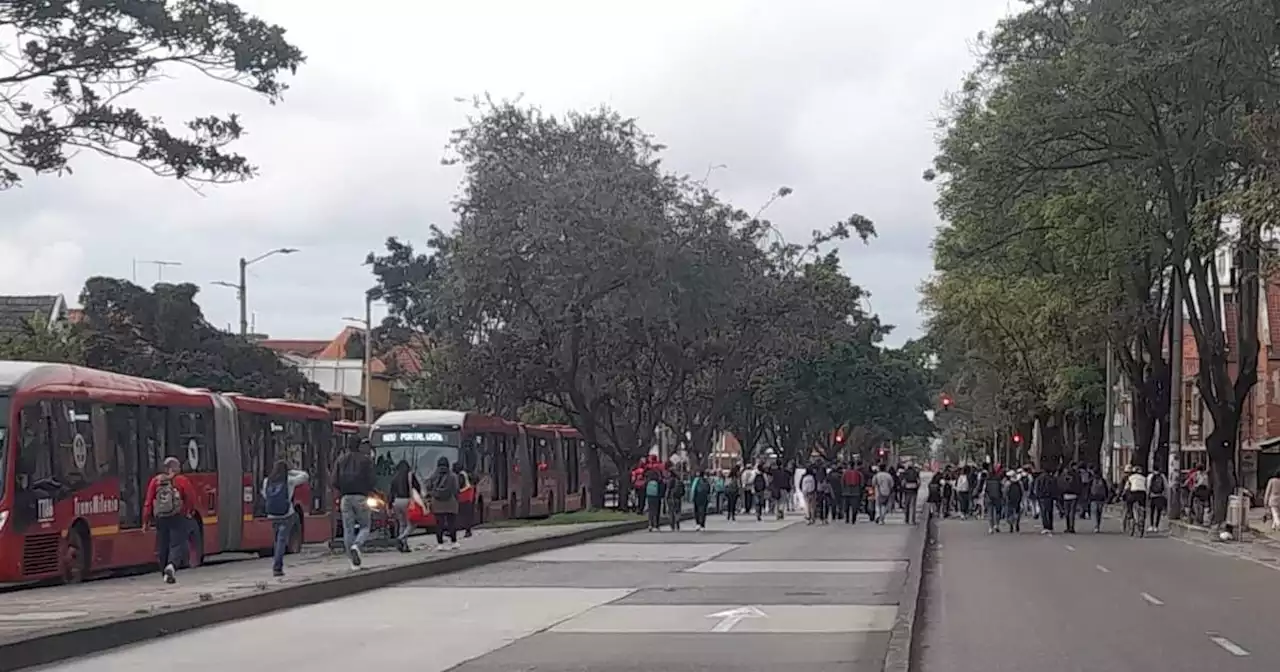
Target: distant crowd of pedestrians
825,492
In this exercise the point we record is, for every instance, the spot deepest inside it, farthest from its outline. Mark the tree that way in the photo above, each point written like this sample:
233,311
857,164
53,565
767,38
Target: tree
162,334
73,64
37,341
1158,92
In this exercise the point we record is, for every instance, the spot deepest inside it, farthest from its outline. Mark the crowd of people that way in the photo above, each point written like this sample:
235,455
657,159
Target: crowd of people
823,492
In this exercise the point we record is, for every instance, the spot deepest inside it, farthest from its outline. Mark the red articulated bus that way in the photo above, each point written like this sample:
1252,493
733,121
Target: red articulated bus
78,447
521,471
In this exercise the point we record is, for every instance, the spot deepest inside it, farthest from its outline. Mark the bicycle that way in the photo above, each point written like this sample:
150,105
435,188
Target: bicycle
1136,520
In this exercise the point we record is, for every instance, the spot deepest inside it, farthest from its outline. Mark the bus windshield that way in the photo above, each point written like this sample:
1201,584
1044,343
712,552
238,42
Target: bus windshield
4,442
420,447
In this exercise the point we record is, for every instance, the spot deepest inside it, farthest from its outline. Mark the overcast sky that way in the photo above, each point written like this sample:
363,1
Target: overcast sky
834,98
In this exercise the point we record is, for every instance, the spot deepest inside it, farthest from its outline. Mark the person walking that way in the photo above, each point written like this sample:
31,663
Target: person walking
882,483
1271,499
851,490
1069,486
1099,494
910,491
444,504
964,493
1158,500
809,488
405,489
653,486
674,497
993,501
354,479
168,506
701,499
1013,495
759,490
466,500
1046,488
732,489
277,493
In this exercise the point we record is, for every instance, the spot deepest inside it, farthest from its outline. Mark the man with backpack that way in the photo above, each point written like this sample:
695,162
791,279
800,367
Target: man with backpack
1099,493
354,479
653,487
701,499
1013,496
1069,486
168,506
910,490
759,490
674,497
277,495
1157,498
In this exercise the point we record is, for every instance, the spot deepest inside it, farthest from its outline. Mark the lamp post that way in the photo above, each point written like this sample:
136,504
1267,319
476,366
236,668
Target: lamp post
368,354
239,286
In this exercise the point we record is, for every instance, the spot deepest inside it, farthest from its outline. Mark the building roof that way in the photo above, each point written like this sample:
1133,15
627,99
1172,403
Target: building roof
303,347
403,358
15,311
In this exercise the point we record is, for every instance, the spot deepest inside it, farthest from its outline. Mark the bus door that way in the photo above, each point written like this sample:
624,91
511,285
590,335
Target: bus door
526,472
557,470
231,488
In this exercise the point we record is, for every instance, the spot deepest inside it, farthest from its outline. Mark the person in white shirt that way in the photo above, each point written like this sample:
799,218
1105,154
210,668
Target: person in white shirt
1135,491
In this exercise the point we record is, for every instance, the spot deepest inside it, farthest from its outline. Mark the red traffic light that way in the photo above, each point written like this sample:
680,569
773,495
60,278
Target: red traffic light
839,436
1017,438
946,401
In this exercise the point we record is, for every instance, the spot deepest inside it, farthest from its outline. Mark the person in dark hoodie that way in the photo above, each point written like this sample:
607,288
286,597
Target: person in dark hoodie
444,504
993,501
1046,489
1070,491
404,485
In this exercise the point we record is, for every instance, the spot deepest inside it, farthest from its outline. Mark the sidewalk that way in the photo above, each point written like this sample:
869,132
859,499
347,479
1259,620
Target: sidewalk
1258,525
37,613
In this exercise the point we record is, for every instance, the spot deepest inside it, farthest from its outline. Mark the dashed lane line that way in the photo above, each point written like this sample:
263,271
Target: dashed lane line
1228,645
1152,599
1071,548
1102,569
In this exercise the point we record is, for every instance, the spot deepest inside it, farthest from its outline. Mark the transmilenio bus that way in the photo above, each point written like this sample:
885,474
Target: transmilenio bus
521,470
78,446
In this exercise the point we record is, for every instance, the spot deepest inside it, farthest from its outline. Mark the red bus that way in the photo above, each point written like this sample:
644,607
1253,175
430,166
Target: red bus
521,471
78,446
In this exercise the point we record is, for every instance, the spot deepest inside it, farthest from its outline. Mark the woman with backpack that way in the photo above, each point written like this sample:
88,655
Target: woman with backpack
277,493
674,497
444,504
466,500
701,499
732,488
653,498
405,489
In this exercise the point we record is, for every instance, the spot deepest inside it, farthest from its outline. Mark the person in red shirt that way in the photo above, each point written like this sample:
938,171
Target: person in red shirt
169,503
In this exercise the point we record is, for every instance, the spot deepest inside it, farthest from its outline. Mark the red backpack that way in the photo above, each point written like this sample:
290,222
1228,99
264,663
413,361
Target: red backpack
852,478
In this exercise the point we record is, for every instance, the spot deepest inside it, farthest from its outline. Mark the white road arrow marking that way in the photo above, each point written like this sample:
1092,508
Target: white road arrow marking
732,617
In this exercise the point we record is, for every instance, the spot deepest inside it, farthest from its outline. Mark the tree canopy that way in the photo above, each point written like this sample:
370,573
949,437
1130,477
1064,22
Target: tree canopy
1099,151
584,278
72,65
159,334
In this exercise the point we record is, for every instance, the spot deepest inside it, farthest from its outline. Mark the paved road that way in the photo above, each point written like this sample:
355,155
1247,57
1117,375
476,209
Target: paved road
1096,602
740,596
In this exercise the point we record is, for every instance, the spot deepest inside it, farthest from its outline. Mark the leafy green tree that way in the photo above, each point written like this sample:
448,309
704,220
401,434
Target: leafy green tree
72,64
37,341
162,334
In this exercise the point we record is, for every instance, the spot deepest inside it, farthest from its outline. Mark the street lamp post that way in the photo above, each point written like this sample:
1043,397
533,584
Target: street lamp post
368,354
239,286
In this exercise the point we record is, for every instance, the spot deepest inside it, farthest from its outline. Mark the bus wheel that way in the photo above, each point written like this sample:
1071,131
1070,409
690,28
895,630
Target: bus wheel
195,545
295,536
76,556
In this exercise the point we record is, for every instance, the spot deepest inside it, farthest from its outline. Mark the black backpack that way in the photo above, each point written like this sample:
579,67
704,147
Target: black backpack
760,484
911,477
1098,491
1157,484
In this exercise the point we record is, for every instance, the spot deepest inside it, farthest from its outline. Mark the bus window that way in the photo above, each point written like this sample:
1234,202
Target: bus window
155,440
253,439
123,430
4,443
319,439
572,475
195,442
498,449
74,463
35,465
295,442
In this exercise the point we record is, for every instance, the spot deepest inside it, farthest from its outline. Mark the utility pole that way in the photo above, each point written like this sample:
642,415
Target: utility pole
368,357
158,263
240,285
1175,395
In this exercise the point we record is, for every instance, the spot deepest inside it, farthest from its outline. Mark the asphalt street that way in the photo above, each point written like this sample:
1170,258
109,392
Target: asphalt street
1090,602
743,596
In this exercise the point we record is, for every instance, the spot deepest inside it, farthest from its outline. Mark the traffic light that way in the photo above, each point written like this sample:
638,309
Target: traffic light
1017,438
946,402
840,436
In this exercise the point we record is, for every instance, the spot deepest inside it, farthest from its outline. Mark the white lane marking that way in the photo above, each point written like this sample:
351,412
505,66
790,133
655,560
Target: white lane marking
1228,645
1070,547
1152,599
731,617
1227,554
1102,569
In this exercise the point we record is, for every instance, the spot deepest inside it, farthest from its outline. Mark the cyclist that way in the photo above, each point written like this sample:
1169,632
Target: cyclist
1135,493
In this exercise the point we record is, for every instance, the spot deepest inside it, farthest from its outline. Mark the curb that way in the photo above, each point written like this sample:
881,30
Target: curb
902,639
79,642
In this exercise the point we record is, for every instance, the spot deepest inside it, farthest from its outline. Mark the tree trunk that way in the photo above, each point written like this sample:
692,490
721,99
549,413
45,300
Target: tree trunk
595,480
1144,429
1222,476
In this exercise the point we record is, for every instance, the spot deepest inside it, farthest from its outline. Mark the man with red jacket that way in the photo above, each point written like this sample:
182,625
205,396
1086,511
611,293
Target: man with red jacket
170,501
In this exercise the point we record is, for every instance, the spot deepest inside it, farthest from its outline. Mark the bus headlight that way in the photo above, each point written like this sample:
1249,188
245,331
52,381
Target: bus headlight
373,503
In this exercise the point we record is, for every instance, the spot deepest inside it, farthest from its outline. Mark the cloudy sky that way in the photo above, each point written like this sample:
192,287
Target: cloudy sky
834,98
